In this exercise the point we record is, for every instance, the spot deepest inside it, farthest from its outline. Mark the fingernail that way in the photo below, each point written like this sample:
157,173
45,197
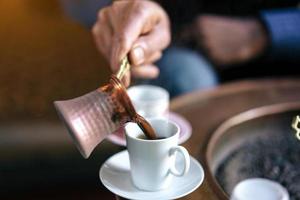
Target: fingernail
138,55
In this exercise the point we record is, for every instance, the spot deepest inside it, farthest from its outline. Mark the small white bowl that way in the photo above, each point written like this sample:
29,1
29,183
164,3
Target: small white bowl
259,189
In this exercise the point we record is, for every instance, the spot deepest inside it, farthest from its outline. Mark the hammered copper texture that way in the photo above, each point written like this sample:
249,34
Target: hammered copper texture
88,119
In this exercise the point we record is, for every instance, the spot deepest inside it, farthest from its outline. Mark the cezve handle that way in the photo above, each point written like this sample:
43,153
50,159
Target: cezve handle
124,68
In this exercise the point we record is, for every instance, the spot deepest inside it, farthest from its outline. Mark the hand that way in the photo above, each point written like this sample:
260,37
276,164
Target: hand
137,28
231,40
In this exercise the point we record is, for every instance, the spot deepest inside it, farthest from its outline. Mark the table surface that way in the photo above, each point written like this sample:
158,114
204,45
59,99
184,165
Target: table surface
206,110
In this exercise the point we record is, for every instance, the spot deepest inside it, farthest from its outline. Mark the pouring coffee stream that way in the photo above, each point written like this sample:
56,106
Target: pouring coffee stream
92,117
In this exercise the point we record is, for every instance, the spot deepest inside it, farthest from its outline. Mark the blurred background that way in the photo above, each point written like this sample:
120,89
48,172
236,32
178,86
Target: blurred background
47,53
45,56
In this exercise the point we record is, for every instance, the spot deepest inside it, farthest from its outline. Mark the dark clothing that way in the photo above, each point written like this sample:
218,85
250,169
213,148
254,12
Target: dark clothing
281,21
283,26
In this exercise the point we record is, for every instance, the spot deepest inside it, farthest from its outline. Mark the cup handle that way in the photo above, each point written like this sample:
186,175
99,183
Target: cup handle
186,156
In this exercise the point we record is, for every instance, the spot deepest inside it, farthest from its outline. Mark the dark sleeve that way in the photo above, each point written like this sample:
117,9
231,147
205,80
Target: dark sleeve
283,26
180,12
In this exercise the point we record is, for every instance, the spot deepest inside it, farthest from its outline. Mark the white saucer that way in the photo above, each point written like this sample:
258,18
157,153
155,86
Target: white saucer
115,176
185,130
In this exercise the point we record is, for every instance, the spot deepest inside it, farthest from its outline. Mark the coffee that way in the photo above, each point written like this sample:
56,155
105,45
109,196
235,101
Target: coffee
144,137
146,127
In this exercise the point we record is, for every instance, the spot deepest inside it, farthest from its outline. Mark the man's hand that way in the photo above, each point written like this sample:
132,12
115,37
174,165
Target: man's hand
138,28
230,40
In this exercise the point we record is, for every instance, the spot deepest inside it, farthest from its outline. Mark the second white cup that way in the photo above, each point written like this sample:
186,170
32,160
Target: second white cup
150,101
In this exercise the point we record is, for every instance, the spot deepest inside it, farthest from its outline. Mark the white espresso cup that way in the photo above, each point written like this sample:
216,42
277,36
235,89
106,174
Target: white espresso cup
152,162
149,101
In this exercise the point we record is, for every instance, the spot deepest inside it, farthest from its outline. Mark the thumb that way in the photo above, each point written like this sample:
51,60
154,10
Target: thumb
137,55
145,46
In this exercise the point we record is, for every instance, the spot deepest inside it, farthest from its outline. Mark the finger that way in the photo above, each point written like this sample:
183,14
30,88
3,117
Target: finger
154,57
151,59
137,23
145,71
102,38
102,33
146,46
106,21
126,79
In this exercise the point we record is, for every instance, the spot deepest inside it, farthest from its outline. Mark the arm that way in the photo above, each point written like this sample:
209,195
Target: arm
232,40
283,26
